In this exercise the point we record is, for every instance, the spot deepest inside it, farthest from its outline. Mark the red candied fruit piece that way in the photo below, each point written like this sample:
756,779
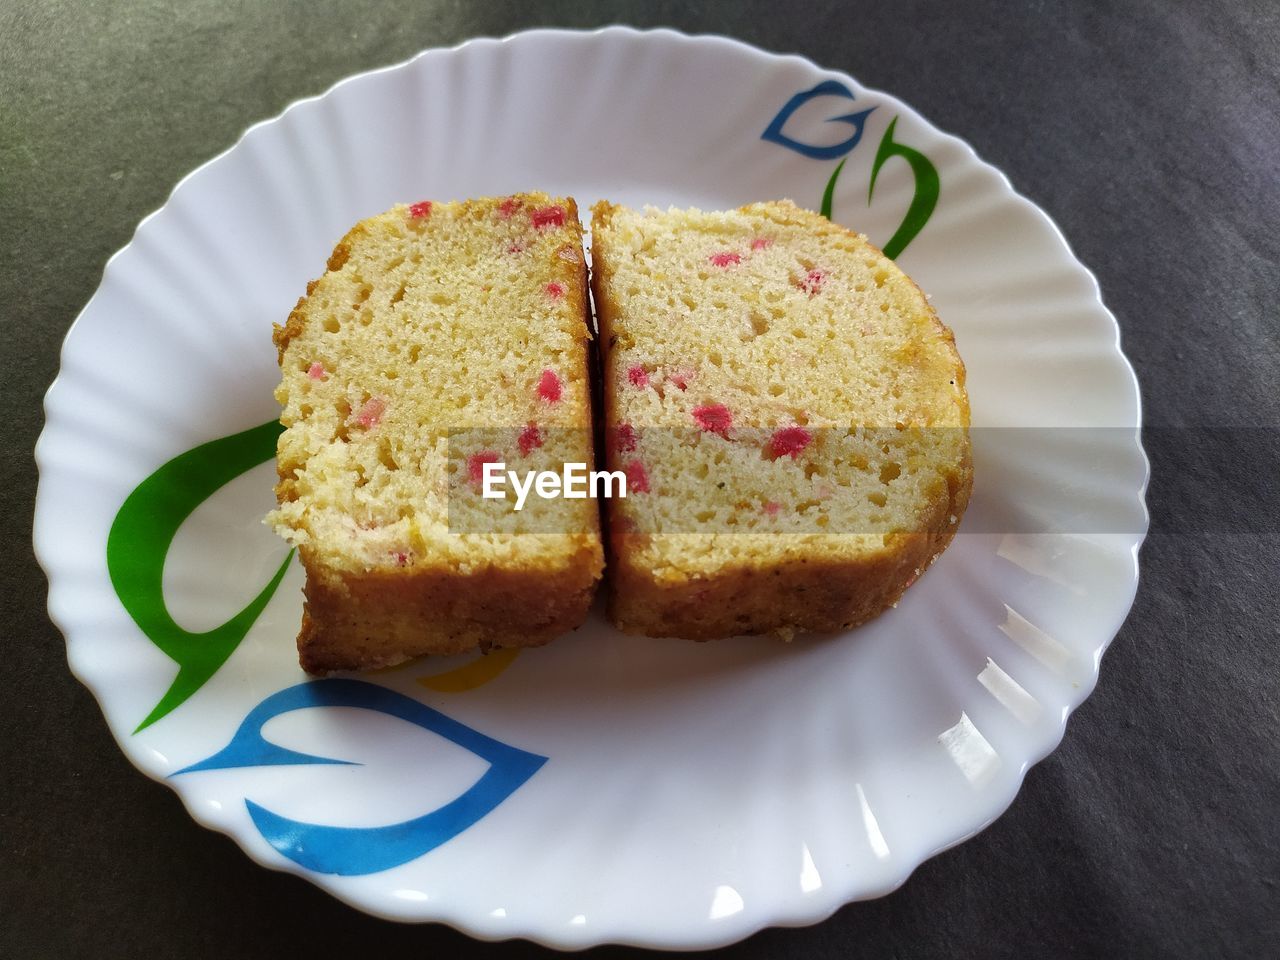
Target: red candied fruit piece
681,377
402,558
772,508
725,258
761,243
813,281
420,210
637,477
638,376
316,371
789,442
555,290
476,462
550,388
714,418
624,438
370,414
507,207
544,217
530,439
515,248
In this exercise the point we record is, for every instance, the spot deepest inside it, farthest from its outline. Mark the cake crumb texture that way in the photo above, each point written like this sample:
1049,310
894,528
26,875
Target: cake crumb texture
792,414
434,325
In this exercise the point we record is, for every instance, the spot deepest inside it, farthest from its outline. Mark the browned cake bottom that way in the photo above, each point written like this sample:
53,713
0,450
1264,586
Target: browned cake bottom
379,619
806,592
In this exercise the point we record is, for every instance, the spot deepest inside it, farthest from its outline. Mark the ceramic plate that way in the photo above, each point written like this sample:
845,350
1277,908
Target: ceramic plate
605,788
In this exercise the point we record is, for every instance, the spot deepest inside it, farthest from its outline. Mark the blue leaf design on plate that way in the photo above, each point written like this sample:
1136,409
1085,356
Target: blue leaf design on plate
350,851
828,88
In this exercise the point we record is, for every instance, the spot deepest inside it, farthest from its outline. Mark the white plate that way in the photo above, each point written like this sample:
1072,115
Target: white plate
604,788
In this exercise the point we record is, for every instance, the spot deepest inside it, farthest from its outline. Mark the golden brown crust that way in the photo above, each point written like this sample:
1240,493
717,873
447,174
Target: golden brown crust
281,335
802,592
388,616
798,594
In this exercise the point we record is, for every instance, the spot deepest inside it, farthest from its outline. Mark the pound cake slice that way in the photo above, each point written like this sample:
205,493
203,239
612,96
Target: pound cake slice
789,411
441,337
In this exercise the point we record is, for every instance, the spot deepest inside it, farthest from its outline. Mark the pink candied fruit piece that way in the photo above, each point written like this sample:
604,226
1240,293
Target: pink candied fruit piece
316,371
638,376
508,207
370,414
714,418
516,247
530,439
772,508
625,438
555,290
402,558
813,281
544,217
681,377
550,387
725,258
476,462
420,210
761,243
789,442
637,477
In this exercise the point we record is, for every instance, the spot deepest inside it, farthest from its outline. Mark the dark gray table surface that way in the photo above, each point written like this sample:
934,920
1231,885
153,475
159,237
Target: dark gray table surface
1149,131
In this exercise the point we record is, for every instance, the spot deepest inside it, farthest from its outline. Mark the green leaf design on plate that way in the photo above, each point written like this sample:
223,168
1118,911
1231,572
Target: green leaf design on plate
141,535
926,193
829,194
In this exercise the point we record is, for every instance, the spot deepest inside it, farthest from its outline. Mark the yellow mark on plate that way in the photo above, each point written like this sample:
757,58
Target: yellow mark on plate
471,675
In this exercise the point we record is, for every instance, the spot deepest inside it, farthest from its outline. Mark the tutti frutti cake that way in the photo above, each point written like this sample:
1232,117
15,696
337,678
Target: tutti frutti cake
441,337
791,415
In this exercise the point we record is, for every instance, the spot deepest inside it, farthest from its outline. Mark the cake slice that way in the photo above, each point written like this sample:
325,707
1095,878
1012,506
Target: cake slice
441,337
790,413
